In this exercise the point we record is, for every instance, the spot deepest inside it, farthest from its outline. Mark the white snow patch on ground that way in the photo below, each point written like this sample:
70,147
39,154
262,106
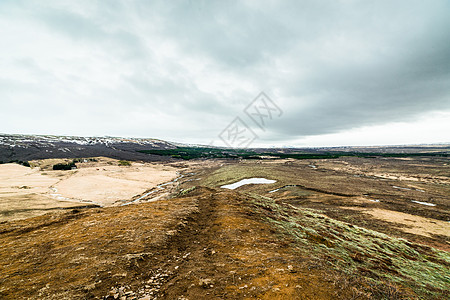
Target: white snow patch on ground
424,203
248,181
401,188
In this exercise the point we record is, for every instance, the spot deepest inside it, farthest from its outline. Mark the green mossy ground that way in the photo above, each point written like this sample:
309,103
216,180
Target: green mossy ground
376,257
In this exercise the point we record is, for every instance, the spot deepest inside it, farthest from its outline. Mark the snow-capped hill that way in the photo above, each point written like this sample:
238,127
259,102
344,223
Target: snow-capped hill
28,147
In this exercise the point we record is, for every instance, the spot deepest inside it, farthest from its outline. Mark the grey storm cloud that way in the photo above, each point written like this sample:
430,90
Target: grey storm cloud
172,69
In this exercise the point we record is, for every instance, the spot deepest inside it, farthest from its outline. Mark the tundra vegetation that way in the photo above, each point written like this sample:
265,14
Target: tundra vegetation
318,230
188,153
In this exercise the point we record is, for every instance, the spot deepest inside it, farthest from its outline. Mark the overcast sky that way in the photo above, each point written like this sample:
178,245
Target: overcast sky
341,72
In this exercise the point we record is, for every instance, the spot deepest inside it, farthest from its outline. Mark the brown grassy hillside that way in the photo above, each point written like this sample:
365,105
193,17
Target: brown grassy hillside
211,244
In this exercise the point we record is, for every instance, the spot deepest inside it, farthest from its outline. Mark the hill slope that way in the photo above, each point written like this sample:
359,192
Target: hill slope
207,244
30,147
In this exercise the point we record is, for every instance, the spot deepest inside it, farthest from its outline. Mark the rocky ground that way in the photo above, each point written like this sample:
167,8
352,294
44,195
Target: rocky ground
293,239
206,245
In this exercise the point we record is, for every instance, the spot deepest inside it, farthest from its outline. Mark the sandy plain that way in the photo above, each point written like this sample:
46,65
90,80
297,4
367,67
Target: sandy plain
27,192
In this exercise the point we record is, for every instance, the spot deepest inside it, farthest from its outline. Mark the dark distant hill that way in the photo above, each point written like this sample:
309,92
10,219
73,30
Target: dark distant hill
29,147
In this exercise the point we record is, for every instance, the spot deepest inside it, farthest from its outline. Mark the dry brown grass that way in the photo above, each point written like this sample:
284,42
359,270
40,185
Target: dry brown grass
61,255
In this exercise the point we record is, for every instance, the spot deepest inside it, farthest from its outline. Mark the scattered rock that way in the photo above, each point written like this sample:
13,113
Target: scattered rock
121,291
205,283
291,269
90,287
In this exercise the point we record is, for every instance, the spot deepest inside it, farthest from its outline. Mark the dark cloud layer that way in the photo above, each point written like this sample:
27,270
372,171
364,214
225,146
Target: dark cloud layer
182,70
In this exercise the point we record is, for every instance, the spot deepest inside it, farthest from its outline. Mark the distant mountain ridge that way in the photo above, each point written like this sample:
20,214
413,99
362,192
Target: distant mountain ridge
22,147
29,147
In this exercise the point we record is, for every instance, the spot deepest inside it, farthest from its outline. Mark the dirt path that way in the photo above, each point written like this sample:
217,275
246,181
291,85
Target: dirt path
229,253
